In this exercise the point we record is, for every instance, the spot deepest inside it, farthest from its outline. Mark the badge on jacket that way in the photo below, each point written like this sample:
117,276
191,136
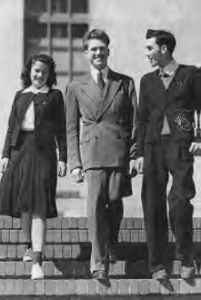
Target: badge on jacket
183,124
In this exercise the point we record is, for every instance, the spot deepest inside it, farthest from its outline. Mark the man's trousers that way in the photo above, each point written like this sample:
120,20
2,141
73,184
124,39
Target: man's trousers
105,212
161,159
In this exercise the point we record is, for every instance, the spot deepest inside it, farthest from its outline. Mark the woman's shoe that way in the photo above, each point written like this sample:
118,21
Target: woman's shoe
28,255
37,272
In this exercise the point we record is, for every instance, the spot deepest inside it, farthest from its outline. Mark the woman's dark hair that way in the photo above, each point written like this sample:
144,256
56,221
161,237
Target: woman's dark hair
97,34
25,75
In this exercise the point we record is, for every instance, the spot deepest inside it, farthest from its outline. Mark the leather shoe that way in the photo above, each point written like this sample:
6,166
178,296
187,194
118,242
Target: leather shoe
160,275
187,272
99,275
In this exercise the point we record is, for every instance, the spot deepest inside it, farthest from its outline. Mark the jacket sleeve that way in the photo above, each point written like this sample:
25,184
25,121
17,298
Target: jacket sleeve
133,97
61,127
197,101
73,128
11,125
143,117
197,89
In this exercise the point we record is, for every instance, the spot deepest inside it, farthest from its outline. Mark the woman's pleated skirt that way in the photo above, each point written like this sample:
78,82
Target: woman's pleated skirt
29,183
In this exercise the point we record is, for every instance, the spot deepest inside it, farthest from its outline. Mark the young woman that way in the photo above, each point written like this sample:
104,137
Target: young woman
30,162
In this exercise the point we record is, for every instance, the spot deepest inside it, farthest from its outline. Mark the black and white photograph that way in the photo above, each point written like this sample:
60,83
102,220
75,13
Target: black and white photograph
100,142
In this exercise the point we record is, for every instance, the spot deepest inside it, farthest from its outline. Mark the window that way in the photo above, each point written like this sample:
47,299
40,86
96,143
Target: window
56,27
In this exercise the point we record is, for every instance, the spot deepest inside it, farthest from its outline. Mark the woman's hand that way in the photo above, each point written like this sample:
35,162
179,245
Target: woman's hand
62,168
4,164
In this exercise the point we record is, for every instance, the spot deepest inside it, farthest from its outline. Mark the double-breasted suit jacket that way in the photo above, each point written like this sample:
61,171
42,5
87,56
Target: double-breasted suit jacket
177,103
50,123
109,122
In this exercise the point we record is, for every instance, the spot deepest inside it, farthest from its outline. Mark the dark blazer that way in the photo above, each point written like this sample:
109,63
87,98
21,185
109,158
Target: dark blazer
109,122
178,103
50,123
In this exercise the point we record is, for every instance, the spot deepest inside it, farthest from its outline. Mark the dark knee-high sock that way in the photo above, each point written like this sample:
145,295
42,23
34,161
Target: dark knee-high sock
37,257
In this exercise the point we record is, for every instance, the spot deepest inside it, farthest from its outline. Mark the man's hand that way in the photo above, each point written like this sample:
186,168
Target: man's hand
62,168
132,168
77,175
4,164
195,148
140,165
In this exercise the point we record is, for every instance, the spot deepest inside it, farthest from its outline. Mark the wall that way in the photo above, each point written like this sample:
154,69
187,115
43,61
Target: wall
11,54
126,21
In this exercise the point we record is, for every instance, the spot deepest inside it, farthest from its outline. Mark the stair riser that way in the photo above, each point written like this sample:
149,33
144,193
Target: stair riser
84,289
96,297
82,236
81,223
73,269
81,251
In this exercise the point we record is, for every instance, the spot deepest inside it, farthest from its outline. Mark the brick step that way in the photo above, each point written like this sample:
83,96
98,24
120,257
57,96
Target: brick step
70,269
77,289
72,230
57,236
81,251
7,222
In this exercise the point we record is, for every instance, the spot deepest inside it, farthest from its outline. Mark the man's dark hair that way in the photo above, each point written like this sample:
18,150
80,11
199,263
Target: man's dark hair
96,34
162,38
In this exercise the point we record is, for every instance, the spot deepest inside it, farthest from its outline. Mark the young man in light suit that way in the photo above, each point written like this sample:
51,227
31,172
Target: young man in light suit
169,97
105,101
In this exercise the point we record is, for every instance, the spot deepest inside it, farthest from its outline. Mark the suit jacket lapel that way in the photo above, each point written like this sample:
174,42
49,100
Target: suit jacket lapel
176,80
90,88
158,83
111,88
157,86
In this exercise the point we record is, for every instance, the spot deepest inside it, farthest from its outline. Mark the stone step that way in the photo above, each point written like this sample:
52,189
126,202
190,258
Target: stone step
81,251
78,251
73,230
58,236
77,289
71,269
7,222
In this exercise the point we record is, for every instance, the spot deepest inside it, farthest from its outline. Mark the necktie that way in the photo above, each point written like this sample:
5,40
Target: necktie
165,75
100,81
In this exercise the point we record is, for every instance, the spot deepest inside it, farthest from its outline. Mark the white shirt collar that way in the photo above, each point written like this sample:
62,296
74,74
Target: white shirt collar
170,69
31,88
104,72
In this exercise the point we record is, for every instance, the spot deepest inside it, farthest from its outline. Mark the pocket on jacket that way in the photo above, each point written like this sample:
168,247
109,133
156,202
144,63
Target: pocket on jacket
183,119
184,152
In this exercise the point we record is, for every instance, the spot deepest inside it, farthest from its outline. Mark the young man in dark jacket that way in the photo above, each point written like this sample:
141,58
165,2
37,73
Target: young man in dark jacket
169,97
